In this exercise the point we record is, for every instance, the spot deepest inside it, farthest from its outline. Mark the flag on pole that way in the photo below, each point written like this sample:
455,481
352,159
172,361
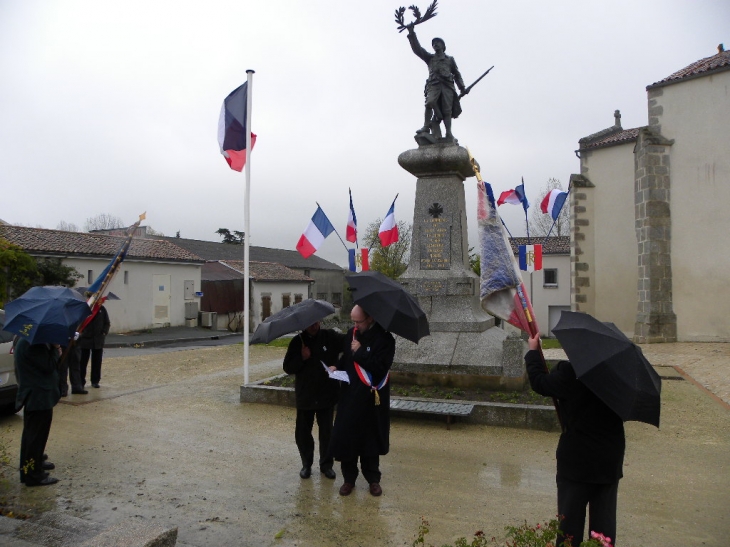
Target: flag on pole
232,126
359,259
351,234
530,258
514,197
502,291
553,202
101,283
314,235
388,232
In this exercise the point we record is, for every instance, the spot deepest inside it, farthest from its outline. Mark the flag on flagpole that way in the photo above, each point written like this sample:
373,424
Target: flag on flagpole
553,202
514,197
388,232
351,234
314,235
530,258
358,259
232,126
502,291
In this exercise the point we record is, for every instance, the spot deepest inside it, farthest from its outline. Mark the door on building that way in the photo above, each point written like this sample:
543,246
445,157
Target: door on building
265,307
554,316
161,299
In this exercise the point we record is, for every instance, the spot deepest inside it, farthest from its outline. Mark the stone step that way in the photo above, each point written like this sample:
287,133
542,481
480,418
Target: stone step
56,529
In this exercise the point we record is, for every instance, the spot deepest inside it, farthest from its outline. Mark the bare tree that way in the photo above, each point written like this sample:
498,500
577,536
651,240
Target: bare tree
541,223
391,260
67,227
104,221
152,232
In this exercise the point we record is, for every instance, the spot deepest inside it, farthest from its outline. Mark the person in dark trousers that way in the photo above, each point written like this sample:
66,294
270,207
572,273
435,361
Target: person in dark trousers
362,425
91,342
36,369
316,393
69,369
590,452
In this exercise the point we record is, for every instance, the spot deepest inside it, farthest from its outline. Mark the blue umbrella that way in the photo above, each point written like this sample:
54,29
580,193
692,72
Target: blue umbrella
46,315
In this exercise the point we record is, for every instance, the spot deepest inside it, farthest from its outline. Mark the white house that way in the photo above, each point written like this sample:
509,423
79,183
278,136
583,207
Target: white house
649,213
155,282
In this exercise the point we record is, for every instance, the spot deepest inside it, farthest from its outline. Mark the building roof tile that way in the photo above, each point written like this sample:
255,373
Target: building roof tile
704,67
258,271
553,245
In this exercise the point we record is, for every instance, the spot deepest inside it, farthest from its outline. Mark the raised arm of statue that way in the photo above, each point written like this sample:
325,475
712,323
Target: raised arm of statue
416,46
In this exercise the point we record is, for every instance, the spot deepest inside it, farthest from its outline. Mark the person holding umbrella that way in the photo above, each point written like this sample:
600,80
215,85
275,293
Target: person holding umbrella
590,451
362,425
316,393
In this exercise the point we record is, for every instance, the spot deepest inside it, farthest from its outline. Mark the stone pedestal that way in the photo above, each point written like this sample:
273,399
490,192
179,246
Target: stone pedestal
465,348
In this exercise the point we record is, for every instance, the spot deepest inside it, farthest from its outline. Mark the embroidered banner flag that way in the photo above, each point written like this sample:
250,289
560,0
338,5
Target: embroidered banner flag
351,234
530,258
388,232
502,291
358,259
514,197
553,202
232,125
314,235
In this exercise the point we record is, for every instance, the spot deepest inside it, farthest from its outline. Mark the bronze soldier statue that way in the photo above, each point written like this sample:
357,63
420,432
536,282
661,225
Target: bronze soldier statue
442,101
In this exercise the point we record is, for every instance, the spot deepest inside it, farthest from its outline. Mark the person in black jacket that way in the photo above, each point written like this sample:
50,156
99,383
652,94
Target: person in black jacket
590,452
38,392
362,426
91,342
316,393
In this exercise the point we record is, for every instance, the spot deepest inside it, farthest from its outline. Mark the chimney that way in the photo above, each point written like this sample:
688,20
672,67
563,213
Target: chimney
720,48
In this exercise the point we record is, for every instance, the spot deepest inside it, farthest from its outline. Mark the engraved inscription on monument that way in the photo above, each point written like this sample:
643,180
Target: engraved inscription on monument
435,243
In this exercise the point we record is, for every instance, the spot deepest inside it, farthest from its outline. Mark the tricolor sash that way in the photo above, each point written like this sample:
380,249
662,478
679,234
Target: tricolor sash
367,379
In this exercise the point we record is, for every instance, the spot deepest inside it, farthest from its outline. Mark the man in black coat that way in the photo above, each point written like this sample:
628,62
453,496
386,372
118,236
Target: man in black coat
316,392
38,392
590,452
91,342
362,426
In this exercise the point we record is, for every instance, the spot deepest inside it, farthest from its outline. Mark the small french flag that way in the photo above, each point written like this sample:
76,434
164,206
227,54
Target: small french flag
388,232
232,128
530,258
351,234
553,203
515,197
313,237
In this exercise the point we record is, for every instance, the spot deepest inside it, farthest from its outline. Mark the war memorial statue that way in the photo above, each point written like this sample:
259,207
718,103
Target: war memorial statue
465,348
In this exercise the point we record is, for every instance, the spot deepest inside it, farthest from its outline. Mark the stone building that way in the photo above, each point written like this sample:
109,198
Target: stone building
649,213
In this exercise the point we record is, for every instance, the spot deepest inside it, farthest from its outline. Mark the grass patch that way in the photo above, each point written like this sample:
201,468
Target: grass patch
551,343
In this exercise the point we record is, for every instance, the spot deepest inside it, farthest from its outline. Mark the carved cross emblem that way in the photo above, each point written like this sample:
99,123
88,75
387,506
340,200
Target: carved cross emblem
435,210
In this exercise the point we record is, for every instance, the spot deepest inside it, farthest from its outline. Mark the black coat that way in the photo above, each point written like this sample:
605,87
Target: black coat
93,336
591,449
362,428
313,387
36,369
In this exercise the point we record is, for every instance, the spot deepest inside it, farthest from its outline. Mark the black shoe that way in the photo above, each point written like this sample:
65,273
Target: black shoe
79,392
48,466
329,473
46,481
95,385
306,472
22,476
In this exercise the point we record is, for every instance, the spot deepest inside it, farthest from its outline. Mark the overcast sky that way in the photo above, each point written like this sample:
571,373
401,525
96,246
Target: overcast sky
112,107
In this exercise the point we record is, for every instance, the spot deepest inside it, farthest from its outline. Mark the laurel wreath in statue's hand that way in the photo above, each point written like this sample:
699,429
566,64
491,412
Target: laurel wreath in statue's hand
400,12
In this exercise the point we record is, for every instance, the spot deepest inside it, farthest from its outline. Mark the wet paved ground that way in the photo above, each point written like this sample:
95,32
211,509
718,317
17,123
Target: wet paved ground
166,440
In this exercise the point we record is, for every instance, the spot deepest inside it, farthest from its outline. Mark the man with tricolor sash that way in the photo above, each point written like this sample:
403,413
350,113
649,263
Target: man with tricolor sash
362,425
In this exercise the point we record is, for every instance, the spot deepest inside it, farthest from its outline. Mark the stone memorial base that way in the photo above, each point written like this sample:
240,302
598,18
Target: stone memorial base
465,348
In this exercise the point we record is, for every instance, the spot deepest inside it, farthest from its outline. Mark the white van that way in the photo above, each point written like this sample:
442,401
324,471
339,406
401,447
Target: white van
8,383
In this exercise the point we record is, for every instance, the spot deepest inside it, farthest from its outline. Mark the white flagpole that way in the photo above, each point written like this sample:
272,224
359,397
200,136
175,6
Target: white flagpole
247,228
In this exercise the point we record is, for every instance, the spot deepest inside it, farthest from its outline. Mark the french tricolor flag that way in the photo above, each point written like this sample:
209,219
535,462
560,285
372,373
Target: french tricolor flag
553,203
351,235
388,232
530,258
232,128
514,197
313,237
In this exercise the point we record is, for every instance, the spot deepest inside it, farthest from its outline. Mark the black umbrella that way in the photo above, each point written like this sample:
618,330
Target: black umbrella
611,366
297,317
389,304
